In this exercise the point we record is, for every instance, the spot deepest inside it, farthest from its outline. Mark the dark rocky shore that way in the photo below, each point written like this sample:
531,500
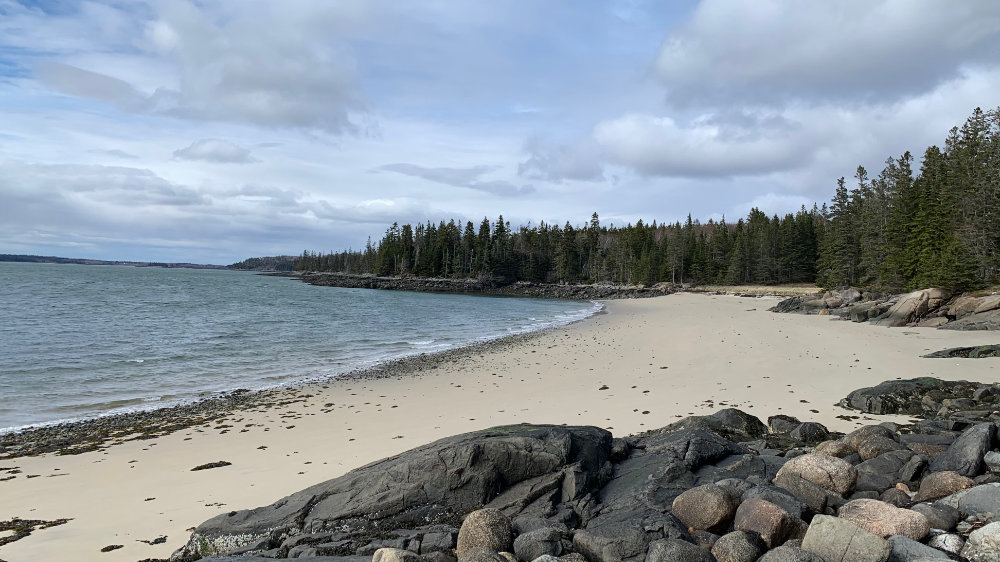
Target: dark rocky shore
492,287
724,487
926,308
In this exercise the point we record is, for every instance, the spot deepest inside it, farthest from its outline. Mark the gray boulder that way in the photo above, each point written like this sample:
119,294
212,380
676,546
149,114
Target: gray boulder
951,543
982,501
676,550
908,550
739,546
983,544
789,554
394,555
912,306
939,515
435,483
730,423
979,321
839,540
965,455
540,542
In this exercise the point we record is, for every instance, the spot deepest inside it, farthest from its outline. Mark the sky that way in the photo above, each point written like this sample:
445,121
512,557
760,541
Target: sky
210,131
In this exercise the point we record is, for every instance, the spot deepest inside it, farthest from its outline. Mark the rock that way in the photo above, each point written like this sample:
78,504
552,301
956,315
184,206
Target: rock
810,432
818,499
940,484
939,515
885,520
779,497
979,321
910,307
782,423
982,501
789,554
983,544
905,550
895,497
730,423
837,448
485,528
772,523
825,471
855,438
935,322
704,539
434,483
835,539
965,455
963,306
394,555
625,534
913,470
540,542
676,550
438,541
893,397
947,542
992,461
739,546
705,508
482,555
987,304
876,445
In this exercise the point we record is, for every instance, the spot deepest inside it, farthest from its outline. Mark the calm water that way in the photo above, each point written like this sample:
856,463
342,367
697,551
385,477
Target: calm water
80,341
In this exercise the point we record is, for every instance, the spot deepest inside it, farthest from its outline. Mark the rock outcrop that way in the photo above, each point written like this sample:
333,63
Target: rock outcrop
707,488
931,308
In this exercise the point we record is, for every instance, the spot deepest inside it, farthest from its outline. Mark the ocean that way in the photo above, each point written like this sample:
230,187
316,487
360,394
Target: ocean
79,341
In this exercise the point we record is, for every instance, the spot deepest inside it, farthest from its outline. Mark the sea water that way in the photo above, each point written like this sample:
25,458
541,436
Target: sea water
79,341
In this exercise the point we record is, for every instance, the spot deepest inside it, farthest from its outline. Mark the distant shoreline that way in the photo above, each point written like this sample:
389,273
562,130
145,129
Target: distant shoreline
25,258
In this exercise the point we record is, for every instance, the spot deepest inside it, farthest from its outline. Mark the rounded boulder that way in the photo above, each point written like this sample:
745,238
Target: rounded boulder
705,508
831,473
486,528
885,520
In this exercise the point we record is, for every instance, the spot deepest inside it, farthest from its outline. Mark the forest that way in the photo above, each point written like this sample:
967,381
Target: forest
901,229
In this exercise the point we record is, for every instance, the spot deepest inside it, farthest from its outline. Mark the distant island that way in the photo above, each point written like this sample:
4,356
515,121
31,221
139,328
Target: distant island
23,258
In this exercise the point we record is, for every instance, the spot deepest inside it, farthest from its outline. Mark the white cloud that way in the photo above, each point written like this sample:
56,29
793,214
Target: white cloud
215,150
558,162
774,51
461,177
659,146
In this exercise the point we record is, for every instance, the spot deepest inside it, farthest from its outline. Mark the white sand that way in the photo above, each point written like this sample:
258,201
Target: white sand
661,359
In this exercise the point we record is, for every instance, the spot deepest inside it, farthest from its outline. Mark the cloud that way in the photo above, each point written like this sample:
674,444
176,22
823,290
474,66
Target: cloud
218,62
711,146
558,162
461,177
215,150
776,51
75,81
114,152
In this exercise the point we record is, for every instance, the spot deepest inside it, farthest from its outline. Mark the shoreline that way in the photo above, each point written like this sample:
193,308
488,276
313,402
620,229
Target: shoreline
642,365
72,437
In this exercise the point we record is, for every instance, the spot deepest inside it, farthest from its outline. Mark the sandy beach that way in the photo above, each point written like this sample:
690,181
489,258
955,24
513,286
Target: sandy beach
640,365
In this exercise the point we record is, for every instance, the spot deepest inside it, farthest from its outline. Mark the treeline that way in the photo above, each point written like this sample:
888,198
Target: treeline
266,263
938,228
760,249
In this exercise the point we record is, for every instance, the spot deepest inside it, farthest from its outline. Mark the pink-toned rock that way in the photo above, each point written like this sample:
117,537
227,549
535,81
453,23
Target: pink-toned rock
831,473
987,304
963,306
940,484
772,523
885,520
